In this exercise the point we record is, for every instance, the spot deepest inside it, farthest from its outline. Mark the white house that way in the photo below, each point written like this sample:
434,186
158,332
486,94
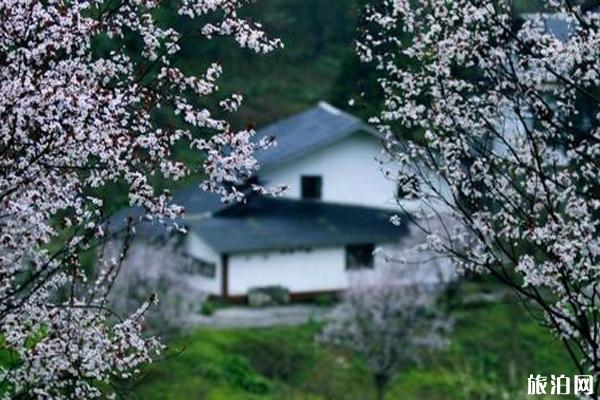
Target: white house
328,155
308,247
326,227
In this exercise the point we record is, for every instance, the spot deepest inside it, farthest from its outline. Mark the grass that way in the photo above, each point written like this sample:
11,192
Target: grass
492,351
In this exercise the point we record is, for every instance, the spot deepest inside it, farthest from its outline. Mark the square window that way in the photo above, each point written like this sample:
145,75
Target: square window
207,269
200,267
311,187
359,256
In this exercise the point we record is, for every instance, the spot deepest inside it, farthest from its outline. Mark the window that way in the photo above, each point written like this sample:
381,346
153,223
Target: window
200,267
359,256
311,187
206,269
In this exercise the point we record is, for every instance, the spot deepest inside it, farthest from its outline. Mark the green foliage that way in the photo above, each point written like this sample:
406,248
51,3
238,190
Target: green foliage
287,358
238,372
325,300
211,305
527,6
207,308
492,351
316,33
8,359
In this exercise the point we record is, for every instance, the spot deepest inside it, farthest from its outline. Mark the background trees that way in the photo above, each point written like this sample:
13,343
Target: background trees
491,99
388,322
163,269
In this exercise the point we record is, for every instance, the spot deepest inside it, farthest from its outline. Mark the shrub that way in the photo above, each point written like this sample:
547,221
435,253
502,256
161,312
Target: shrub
277,357
208,308
238,372
325,300
268,295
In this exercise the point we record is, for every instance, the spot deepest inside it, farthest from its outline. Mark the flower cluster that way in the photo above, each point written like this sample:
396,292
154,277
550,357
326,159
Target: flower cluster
76,117
161,268
388,320
503,112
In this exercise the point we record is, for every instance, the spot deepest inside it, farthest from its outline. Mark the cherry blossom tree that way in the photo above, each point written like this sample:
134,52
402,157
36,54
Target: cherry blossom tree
75,119
164,269
493,121
387,321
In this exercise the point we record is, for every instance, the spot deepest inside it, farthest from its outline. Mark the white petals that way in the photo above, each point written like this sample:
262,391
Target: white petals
73,122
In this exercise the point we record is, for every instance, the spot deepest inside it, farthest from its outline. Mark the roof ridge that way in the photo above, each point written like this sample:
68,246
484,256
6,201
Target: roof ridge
323,105
298,134
289,200
343,113
329,108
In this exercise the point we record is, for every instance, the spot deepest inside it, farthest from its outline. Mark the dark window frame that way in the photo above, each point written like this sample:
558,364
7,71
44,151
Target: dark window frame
200,267
311,187
360,256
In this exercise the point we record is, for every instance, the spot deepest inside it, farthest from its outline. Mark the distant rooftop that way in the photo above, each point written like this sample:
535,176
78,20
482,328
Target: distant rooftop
559,25
196,201
307,131
266,223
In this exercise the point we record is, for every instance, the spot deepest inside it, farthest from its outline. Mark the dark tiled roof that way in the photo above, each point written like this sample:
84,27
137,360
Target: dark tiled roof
143,227
197,204
275,223
307,131
556,25
268,223
197,201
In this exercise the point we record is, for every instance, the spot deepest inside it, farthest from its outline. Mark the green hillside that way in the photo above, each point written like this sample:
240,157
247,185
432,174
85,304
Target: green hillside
492,351
317,63
318,38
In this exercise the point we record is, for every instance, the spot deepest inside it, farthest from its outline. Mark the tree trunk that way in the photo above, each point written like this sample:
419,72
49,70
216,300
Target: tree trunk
379,392
380,381
317,28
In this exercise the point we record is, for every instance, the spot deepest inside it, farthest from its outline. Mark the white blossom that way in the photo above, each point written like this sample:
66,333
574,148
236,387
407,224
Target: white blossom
74,119
505,113
388,321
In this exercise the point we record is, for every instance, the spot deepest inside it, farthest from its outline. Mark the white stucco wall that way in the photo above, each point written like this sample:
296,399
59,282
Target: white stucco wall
349,171
300,271
197,248
316,269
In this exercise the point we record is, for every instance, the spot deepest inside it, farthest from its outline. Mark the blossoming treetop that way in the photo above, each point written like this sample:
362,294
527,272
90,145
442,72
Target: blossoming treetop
504,119
74,120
